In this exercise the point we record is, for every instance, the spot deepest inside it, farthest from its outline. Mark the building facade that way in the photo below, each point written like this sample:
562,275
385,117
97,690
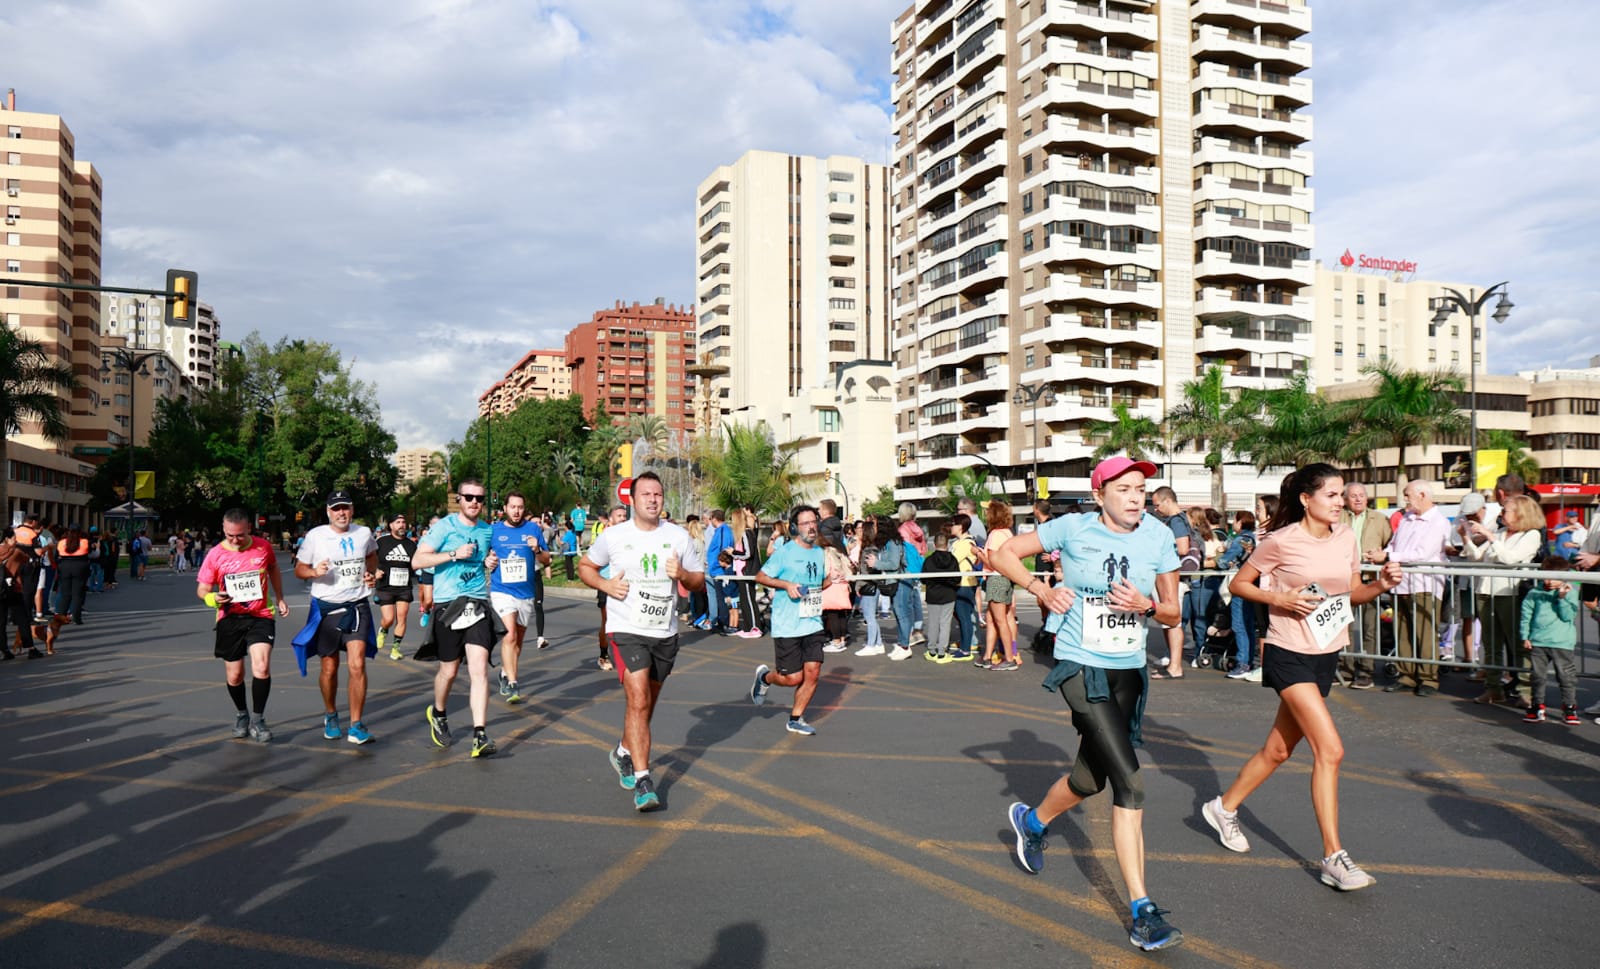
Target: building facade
539,375
631,362
791,268
1366,317
193,347
1093,203
415,462
129,401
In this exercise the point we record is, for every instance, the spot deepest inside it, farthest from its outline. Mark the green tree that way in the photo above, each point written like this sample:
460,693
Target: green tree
1519,460
1406,409
1137,437
524,444
1212,418
881,504
1294,426
31,389
747,467
963,483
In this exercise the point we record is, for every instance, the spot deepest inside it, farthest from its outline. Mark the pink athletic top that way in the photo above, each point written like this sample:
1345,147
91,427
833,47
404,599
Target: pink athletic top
222,562
1293,558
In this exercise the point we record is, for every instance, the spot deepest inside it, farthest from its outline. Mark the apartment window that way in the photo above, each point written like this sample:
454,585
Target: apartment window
1027,278
13,158
841,176
833,452
1027,164
1338,349
841,303
13,266
828,421
1027,358
1027,241
13,239
1383,298
12,131
1361,299
1027,202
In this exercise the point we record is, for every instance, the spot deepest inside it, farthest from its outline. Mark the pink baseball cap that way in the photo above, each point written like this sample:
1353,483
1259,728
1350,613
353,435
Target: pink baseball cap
1117,467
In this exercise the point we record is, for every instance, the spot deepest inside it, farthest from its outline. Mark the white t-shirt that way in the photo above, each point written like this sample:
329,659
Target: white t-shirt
347,561
640,557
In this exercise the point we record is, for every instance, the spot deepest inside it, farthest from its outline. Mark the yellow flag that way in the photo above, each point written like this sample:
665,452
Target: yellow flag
1044,487
1491,465
144,484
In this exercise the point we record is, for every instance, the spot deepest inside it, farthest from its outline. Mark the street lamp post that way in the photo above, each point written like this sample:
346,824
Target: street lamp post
132,361
1030,394
1449,303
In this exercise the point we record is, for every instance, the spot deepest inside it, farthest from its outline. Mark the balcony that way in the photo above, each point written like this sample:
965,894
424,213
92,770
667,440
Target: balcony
1113,22
1097,97
1291,88
1224,150
1274,50
1216,187
1070,129
1215,114
1250,337
1082,328
1214,302
1215,224
1289,16
1213,264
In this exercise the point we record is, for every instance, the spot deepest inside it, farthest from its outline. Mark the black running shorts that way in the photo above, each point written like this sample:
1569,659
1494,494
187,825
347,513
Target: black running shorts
331,639
791,653
1282,668
236,634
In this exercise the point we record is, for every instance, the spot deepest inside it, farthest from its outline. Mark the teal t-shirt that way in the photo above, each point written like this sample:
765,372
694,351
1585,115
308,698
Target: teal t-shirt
452,580
804,566
1093,558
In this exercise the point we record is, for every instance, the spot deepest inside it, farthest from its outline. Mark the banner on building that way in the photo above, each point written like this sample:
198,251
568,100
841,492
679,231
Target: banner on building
144,484
1457,474
1491,465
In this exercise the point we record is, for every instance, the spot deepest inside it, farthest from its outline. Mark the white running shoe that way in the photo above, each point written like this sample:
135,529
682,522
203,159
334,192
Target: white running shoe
835,647
900,652
1338,871
1225,825
1254,676
1592,709
870,650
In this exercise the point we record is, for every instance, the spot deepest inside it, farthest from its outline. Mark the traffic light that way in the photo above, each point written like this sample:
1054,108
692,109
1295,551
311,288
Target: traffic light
901,457
183,287
827,475
622,467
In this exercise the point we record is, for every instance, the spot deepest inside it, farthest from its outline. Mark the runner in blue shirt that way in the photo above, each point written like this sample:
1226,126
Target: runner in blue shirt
797,573
516,589
1112,564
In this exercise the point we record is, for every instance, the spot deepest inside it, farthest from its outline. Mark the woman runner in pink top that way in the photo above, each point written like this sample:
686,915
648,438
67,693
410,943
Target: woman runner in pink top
1314,564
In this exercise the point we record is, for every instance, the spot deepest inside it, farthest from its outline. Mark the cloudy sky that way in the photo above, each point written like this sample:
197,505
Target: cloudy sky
437,186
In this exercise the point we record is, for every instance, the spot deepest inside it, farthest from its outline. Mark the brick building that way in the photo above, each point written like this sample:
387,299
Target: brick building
632,359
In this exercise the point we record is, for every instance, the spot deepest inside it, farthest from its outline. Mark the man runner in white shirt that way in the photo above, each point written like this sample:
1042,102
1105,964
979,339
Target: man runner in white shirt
341,561
648,557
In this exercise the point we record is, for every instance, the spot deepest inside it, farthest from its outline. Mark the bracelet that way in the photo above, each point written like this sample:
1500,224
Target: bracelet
211,599
1029,589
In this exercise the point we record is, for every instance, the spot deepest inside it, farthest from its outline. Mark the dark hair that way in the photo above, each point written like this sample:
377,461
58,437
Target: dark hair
649,476
236,516
1511,484
1303,482
1163,493
1270,503
466,481
1555,563
795,513
1246,520
514,494
962,520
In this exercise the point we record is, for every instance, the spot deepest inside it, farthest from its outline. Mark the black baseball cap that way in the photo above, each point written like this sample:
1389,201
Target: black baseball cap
340,497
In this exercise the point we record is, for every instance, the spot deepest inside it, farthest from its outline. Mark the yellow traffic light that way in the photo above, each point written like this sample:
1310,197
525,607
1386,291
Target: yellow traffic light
182,293
624,464
901,457
827,474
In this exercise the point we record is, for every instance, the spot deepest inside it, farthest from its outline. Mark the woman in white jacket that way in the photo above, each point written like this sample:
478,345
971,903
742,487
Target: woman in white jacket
1516,544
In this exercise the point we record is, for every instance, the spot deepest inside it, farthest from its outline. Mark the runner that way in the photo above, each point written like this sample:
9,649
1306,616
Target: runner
458,549
798,571
1314,563
425,593
341,561
234,580
647,556
617,515
394,584
1111,565
515,589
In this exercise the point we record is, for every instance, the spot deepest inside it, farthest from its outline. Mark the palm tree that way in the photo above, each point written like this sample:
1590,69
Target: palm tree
1407,408
650,428
1519,461
31,389
748,468
1137,437
964,483
1296,426
1212,418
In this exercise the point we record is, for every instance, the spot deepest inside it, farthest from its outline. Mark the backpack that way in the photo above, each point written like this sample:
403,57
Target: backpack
914,558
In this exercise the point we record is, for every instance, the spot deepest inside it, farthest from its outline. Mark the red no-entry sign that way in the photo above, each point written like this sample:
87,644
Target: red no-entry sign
625,491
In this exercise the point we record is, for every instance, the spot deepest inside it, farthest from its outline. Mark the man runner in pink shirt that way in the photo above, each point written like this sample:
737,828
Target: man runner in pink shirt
234,580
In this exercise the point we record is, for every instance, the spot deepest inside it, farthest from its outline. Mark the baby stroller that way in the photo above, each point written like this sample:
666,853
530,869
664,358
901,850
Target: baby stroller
1218,645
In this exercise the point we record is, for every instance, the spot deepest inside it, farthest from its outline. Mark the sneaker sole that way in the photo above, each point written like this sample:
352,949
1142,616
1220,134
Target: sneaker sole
483,752
1175,939
648,803
1217,827
358,741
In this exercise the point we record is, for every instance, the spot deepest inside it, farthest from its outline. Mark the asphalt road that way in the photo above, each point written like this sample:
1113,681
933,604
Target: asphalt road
137,833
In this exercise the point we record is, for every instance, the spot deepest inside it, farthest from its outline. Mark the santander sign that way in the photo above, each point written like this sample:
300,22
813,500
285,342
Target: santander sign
1379,263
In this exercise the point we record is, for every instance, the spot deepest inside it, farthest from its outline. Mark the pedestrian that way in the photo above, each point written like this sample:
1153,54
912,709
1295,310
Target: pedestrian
941,592
836,601
868,550
916,549
1119,568
1241,612
1189,557
997,592
719,565
616,516
235,579
1497,597
72,552
1421,537
1372,534
19,574
1549,636
1313,564
964,549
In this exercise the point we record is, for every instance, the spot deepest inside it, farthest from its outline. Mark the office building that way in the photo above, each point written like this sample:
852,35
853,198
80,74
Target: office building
631,361
1093,203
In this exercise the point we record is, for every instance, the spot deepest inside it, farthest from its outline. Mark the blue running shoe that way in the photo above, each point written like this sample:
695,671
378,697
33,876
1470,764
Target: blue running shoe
1030,846
798,725
1151,931
623,765
330,727
645,797
358,733
758,687
505,684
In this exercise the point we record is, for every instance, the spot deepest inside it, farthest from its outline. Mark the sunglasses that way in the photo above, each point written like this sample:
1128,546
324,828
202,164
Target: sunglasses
478,498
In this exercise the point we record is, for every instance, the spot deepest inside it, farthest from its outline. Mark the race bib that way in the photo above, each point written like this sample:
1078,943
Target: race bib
471,615
811,604
654,609
1108,632
1329,619
350,573
513,568
399,576
243,586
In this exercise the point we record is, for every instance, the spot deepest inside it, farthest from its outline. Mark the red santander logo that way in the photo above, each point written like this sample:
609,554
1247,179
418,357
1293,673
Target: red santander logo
1347,260
1379,263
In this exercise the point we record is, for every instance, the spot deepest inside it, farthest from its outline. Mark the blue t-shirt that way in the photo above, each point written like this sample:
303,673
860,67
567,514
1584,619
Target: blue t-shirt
511,545
1093,558
569,542
580,518
452,580
805,566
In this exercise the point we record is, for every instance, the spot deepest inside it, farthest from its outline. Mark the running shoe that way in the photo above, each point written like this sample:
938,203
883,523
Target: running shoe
1239,672
623,765
899,653
1592,709
515,696
505,684
382,638
758,687
241,726
748,634
543,643
798,725
1362,681
438,728
1338,871
956,652
918,637
358,733
932,655
330,727
835,646
604,663
482,746
394,651
1030,846
1003,666
1225,825
876,650
259,732
1254,676
1151,931
645,797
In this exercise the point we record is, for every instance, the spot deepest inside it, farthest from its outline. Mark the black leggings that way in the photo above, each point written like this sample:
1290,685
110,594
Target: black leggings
836,622
1105,751
74,585
538,614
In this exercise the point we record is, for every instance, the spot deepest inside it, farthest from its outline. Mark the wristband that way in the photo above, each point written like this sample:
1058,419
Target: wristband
1029,589
211,599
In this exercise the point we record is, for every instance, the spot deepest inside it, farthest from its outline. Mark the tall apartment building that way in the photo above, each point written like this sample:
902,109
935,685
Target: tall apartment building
52,231
414,462
631,361
539,375
131,414
138,319
791,262
1093,201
